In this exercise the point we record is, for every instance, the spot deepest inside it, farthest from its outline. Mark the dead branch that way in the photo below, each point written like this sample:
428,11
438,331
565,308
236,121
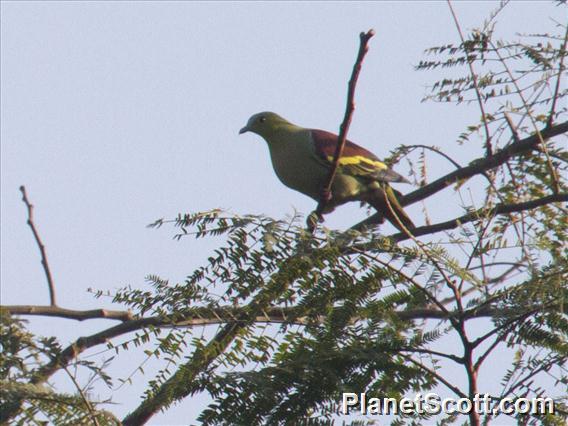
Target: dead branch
343,129
40,245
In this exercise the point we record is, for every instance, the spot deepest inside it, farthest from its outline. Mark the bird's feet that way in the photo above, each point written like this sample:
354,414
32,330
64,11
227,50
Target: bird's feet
312,221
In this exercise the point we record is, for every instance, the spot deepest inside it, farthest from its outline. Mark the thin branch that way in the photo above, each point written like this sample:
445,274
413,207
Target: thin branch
488,149
484,355
533,373
502,327
472,256
198,316
83,343
512,127
411,280
343,129
477,214
44,263
437,151
455,358
522,232
500,278
557,88
514,265
90,409
206,316
428,370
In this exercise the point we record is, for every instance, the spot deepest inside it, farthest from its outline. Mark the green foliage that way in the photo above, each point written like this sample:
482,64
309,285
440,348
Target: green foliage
303,318
22,356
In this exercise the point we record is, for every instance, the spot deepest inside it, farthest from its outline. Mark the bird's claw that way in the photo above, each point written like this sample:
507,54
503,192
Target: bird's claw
312,220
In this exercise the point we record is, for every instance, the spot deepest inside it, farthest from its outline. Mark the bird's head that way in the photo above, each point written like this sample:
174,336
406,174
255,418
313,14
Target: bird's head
265,123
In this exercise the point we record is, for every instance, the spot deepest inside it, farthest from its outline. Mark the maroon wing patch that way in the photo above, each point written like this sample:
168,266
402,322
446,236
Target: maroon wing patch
355,160
326,143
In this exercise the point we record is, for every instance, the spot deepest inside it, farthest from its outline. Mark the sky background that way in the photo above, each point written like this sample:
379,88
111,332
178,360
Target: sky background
114,114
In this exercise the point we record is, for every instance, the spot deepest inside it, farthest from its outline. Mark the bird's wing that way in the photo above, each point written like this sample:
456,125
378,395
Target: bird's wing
355,160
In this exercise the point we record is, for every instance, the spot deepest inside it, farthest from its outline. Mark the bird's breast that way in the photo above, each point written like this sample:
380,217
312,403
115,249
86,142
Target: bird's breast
297,168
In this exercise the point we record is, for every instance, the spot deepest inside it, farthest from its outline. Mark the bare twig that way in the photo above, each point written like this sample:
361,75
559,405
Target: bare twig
343,129
437,151
438,377
488,148
455,358
90,408
472,256
504,326
44,263
494,280
558,79
498,340
512,127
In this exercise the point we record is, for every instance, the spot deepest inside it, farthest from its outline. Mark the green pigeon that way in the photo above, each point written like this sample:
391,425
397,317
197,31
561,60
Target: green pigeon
302,158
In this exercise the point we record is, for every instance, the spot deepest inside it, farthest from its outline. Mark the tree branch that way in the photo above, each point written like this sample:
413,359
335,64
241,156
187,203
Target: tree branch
202,316
455,358
234,317
40,245
59,312
477,166
343,129
477,214
512,126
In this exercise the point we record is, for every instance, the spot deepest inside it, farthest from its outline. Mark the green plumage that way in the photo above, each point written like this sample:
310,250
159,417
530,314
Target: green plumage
302,157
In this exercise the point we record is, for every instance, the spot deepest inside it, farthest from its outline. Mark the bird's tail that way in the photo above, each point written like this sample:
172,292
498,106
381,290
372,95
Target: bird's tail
386,202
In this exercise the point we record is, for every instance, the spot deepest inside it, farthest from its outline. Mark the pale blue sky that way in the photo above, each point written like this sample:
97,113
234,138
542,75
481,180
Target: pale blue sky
114,114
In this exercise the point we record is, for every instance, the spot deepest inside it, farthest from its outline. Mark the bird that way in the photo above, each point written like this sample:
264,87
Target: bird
302,158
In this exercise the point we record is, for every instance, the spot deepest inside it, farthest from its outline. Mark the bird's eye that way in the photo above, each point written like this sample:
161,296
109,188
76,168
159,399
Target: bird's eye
262,119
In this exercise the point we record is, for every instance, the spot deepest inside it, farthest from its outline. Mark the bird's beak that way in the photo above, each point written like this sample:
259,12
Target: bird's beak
243,130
